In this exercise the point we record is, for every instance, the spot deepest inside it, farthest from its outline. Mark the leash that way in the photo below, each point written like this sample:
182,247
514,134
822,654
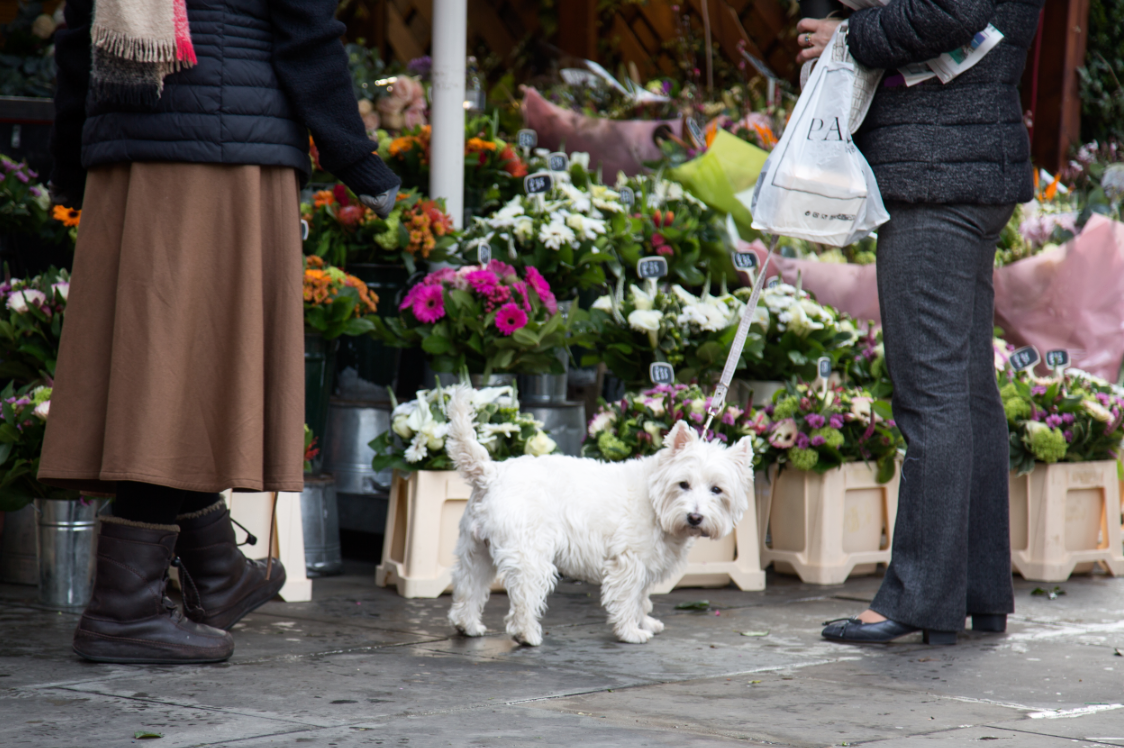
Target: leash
718,399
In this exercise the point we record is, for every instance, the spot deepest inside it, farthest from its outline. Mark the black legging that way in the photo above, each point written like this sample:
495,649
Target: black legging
157,505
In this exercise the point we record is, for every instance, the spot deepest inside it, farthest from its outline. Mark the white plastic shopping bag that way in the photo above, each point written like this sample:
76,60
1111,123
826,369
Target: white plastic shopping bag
816,185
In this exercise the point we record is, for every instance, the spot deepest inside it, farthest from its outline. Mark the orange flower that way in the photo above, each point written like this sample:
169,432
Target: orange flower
399,146
513,165
768,139
312,261
476,145
368,300
69,216
323,198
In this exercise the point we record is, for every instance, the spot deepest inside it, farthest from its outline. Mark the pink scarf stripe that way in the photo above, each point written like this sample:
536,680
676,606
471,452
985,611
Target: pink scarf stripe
185,50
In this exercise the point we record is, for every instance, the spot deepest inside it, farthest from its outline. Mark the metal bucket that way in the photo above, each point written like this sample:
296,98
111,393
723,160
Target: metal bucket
67,549
18,563
351,427
543,389
763,391
321,520
566,424
448,379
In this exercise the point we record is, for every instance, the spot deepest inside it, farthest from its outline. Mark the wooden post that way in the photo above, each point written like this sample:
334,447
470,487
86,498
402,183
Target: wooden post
577,28
1057,111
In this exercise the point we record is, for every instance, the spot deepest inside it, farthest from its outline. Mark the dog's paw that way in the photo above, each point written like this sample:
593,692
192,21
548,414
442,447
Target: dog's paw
530,638
652,625
635,636
472,629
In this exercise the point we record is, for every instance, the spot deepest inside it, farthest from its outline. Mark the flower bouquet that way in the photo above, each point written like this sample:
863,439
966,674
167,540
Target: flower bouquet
416,439
819,429
636,425
691,333
1072,418
29,336
23,421
343,230
794,332
336,303
568,235
485,319
25,206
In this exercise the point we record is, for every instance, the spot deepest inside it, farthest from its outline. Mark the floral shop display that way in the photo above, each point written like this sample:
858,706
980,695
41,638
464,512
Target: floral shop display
646,325
427,496
33,233
1065,437
483,319
834,493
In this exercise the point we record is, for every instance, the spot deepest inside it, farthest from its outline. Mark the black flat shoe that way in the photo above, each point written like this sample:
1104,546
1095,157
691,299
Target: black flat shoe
995,623
854,631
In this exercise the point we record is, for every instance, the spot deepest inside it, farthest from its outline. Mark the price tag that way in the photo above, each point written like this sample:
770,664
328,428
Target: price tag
628,197
823,366
1024,358
527,139
661,373
537,184
1057,359
483,254
745,260
304,230
773,282
696,133
650,268
559,161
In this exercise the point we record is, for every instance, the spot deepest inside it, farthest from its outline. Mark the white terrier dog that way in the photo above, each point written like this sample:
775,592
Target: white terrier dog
625,525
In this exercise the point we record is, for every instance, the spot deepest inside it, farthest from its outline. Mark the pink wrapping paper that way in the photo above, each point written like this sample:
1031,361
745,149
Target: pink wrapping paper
1071,297
614,145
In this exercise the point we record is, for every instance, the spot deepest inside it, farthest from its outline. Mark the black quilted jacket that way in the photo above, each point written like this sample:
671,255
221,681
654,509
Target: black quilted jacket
960,142
269,72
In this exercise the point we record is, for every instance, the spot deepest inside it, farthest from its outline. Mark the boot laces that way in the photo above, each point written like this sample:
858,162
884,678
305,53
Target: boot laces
251,539
192,600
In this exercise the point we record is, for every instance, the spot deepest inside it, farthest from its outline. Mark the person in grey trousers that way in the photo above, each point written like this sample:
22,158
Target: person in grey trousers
951,161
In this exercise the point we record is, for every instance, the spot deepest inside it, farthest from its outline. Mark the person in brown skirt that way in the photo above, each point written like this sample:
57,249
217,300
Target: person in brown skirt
182,130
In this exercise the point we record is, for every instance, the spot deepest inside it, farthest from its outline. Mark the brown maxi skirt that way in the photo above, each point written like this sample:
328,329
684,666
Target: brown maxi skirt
182,355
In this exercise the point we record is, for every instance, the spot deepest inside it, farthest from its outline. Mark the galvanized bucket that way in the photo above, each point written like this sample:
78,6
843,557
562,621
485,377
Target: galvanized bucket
320,517
352,425
545,389
566,424
18,563
67,551
447,379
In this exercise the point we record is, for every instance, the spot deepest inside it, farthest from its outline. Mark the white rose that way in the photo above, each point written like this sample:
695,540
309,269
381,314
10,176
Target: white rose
656,406
801,323
1093,408
63,290
653,430
645,320
605,304
42,409
698,405
578,158
20,301
399,426
539,444
601,422
641,300
524,229
435,433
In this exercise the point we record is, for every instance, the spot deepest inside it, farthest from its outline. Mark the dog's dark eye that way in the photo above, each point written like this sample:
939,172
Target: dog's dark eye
715,490
685,485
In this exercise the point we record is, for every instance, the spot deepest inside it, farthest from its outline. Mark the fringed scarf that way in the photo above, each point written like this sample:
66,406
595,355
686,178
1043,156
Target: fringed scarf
136,44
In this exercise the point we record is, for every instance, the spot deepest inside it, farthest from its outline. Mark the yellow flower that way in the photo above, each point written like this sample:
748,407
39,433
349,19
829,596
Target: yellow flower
69,216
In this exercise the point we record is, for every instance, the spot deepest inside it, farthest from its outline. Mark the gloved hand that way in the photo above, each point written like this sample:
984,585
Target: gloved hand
383,204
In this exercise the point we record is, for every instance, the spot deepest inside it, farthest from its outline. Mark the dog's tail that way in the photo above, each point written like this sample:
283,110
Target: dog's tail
472,460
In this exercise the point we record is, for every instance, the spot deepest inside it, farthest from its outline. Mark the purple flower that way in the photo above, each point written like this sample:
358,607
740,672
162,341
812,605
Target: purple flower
1103,398
815,420
818,441
1054,421
836,421
1038,389
22,177
802,440
720,436
420,65
697,417
891,423
1068,435
769,410
1067,417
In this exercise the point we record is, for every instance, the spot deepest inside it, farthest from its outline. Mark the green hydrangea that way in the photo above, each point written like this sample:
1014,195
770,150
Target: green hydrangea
786,408
389,238
803,459
832,437
612,448
1008,391
1047,444
865,258
40,395
1016,409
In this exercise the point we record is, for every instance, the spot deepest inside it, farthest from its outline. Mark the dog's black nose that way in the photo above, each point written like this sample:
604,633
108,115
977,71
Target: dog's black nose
694,520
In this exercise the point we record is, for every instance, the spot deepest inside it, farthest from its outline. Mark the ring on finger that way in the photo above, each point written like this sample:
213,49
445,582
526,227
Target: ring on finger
807,40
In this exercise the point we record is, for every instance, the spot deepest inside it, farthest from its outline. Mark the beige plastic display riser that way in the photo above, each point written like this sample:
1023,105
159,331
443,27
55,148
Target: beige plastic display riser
1065,520
826,528
255,512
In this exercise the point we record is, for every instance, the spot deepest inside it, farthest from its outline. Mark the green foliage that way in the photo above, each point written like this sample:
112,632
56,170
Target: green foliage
1102,78
27,63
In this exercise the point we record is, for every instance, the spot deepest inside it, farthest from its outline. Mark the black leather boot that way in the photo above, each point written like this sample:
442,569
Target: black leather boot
129,618
221,585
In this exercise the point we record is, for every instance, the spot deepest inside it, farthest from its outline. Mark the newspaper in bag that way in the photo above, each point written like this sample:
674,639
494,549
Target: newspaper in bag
816,185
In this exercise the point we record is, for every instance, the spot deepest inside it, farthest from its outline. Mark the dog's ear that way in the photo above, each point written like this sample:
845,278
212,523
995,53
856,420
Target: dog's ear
743,451
680,436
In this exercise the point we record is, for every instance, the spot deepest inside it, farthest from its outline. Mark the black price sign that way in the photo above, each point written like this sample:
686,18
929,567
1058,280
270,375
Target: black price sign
661,373
745,260
559,162
483,254
823,366
696,133
773,282
537,184
527,139
651,267
1024,358
628,197
1057,359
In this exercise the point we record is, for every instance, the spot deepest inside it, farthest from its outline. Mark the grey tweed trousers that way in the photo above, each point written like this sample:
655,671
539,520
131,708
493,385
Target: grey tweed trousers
951,547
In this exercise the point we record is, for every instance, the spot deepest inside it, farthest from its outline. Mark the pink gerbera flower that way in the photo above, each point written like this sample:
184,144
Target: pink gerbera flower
510,318
501,269
428,304
482,282
542,288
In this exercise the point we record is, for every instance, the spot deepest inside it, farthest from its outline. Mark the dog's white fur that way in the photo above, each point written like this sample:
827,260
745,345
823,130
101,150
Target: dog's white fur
623,525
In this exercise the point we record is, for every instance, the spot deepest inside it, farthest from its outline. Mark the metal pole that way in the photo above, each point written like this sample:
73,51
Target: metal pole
446,169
